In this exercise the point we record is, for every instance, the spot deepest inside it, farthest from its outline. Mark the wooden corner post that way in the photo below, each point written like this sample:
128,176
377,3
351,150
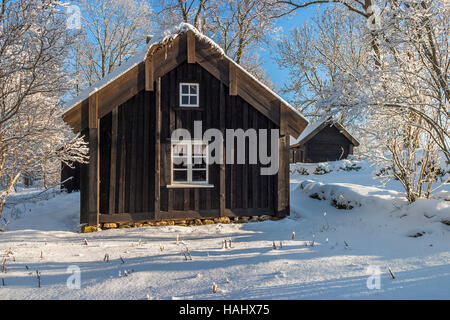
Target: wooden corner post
94,162
158,149
149,74
113,165
283,167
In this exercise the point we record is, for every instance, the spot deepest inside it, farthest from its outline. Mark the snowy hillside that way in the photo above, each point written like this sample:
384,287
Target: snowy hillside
344,228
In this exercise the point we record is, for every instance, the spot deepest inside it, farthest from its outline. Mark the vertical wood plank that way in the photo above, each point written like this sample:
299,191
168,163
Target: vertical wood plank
270,187
256,173
157,148
262,123
233,79
222,188
196,199
123,163
149,74
190,46
113,167
128,117
211,100
164,134
94,162
175,78
146,161
245,111
140,155
186,200
232,167
93,111
133,109
283,168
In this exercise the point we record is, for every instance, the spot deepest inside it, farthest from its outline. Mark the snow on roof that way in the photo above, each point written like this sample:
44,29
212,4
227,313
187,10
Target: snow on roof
166,36
309,129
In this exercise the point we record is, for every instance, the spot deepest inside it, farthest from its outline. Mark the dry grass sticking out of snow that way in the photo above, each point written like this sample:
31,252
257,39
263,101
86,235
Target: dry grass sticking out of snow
319,252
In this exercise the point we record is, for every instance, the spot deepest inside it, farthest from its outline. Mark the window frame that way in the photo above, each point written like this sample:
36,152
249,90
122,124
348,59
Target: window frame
189,183
181,95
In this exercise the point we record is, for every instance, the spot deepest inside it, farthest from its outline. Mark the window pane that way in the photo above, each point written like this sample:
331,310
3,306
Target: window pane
199,149
179,149
193,100
179,163
180,176
193,89
199,175
199,163
184,88
185,100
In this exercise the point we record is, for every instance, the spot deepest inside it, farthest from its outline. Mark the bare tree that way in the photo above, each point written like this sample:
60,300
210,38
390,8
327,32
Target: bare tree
242,25
364,8
113,31
238,26
34,44
195,12
402,94
314,54
360,7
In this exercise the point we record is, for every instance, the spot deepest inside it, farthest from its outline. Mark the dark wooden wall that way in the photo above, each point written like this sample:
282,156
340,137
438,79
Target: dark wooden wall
327,145
297,154
127,153
247,192
127,156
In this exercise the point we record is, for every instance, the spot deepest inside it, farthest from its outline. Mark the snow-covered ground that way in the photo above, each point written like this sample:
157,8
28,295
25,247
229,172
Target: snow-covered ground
336,253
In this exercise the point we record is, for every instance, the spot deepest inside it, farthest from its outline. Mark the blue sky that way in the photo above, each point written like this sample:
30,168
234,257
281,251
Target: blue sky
279,76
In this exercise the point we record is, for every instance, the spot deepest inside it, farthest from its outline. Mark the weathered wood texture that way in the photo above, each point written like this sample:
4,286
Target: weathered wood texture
244,187
94,161
132,165
163,58
131,145
157,153
296,154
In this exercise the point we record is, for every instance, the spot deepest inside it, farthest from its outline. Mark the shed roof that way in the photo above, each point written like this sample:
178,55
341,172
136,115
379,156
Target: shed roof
315,127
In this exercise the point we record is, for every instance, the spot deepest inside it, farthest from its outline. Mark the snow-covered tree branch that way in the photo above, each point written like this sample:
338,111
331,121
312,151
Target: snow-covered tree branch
112,32
34,46
391,80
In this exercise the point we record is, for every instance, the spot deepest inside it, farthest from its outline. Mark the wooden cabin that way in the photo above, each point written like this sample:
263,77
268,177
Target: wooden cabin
321,141
128,119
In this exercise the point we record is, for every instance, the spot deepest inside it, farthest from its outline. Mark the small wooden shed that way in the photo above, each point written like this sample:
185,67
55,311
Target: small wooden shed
128,118
324,140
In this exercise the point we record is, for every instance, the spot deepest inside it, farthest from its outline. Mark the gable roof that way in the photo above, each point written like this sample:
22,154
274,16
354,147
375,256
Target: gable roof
167,51
313,128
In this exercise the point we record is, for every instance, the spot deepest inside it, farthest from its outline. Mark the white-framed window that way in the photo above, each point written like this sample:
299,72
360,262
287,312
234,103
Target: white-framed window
189,95
189,163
